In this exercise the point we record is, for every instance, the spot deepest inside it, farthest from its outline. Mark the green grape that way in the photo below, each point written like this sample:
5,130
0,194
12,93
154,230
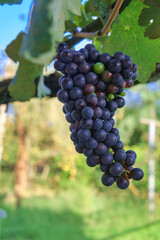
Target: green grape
99,68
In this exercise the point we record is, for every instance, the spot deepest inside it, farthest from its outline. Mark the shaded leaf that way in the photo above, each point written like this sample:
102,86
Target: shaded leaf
47,27
23,87
151,13
127,36
10,2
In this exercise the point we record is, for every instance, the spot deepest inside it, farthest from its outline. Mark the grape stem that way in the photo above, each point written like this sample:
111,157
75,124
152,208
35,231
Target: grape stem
111,18
107,26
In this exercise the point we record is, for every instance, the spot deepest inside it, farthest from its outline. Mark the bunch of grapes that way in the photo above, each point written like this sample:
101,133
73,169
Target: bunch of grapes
92,89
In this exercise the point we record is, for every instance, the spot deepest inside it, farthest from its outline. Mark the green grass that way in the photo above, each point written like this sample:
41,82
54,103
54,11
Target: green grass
81,214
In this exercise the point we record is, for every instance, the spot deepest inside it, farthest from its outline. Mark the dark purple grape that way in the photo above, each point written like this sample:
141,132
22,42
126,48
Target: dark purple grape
112,114
84,68
84,134
119,55
91,143
59,65
112,121
71,68
100,86
69,118
115,66
76,115
106,76
131,152
120,155
78,57
107,158
99,135
117,79
127,63
89,163
63,95
97,112
95,159
62,46
137,174
72,126
107,126
85,52
60,81
110,140
101,149
91,78
75,93
64,109
122,183
80,104
69,106
127,74
119,145
104,168
104,58
79,80
91,99
66,56
78,148
135,75
97,124
107,179
87,152
130,160
115,131
129,83
86,123
101,103
67,83
112,106
87,112
120,101
77,125
90,47
116,169
105,114
134,67
93,55
81,143
88,89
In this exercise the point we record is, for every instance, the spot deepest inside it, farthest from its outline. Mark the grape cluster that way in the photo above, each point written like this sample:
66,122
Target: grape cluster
92,89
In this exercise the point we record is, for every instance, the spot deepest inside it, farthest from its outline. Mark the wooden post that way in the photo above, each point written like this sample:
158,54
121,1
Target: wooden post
151,164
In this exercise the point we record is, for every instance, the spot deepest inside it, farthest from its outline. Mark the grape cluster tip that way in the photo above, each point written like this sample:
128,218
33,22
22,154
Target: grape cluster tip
92,89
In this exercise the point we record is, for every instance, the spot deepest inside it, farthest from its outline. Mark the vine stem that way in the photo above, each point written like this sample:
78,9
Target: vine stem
92,5
106,28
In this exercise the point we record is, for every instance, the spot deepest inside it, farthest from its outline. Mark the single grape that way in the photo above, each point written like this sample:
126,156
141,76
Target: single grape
120,155
101,103
130,160
87,113
99,68
84,68
110,96
101,149
101,86
66,56
90,47
87,152
75,93
119,55
137,174
134,67
107,158
85,52
120,101
69,118
104,168
80,104
89,163
91,78
63,95
127,74
107,126
132,153
112,121
91,99
135,75
112,114
84,134
69,106
93,55
91,143
104,58
127,63
79,80
62,46
122,183
117,79
115,66
97,112
112,106
88,89
97,124
105,114
67,83
115,131
78,57
71,68
110,140
107,179
119,145
59,65
78,148
100,135
123,94
116,169
112,88
76,115
95,159
106,76
86,123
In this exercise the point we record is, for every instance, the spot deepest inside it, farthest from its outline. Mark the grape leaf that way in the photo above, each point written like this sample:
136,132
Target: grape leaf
127,36
46,29
151,12
10,2
23,87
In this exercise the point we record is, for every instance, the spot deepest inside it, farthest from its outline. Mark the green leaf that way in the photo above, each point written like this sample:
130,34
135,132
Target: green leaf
10,2
127,36
151,11
46,29
23,87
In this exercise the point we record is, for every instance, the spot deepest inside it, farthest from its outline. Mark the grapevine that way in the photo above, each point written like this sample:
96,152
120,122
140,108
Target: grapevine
92,89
